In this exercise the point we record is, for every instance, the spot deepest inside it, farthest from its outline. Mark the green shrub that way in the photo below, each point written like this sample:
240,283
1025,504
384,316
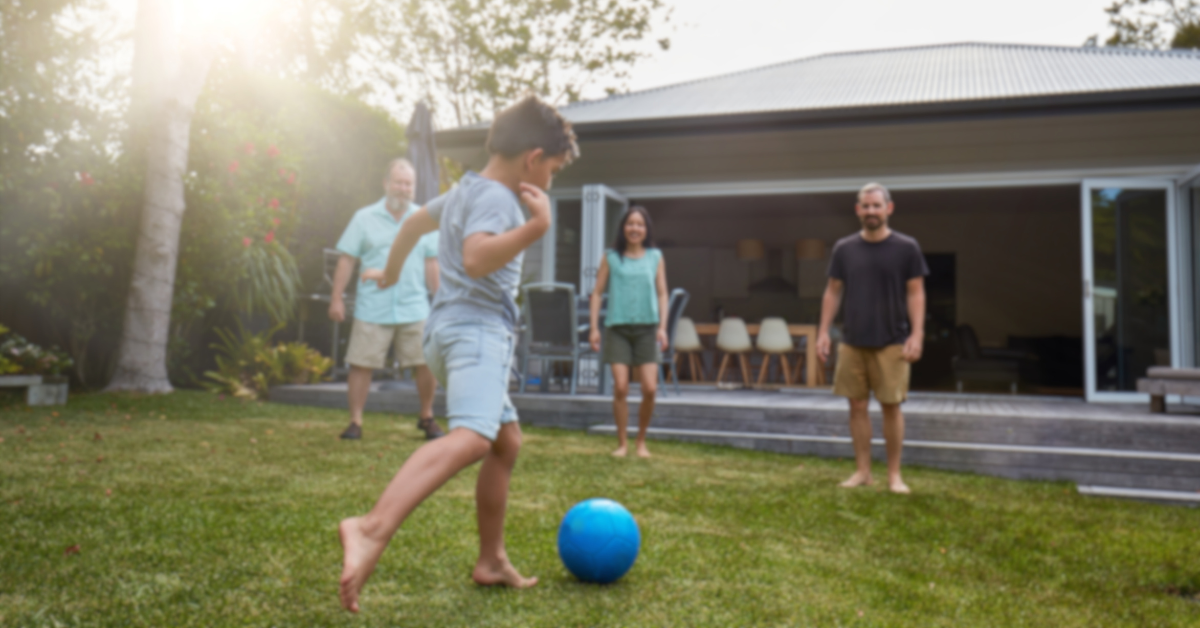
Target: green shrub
248,364
21,357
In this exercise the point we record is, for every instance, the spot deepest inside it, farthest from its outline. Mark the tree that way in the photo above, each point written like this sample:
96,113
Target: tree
170,69
1153,24
473,57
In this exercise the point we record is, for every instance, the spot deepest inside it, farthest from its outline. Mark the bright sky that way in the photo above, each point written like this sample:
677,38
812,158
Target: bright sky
718,36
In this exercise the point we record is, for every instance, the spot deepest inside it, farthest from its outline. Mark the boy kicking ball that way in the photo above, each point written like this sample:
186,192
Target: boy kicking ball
469,337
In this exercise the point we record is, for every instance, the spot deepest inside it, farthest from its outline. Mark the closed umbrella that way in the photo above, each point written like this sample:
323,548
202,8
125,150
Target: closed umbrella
423,154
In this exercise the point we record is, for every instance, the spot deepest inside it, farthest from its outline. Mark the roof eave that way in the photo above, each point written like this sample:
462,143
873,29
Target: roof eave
1090,102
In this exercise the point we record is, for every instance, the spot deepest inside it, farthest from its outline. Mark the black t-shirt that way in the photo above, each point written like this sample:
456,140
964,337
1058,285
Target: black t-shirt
875,300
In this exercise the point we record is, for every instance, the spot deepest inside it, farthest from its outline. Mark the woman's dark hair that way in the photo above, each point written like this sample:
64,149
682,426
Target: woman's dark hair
620,243
531,124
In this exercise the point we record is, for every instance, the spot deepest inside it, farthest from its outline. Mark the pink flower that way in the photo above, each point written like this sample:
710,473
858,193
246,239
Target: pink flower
283,172
270,237
246,241
249,148
292,178
233,166
272,151
85,178
275,221
273,204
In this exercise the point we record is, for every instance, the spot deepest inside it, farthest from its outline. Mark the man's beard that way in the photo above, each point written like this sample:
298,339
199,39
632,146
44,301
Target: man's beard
397,203
873,223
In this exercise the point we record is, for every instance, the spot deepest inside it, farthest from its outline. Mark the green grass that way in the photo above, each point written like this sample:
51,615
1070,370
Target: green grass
224,513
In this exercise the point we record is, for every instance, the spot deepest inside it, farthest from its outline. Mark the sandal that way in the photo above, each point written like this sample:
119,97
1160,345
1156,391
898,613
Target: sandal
431,428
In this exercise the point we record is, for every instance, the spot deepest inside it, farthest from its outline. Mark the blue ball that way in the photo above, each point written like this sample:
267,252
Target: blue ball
598,540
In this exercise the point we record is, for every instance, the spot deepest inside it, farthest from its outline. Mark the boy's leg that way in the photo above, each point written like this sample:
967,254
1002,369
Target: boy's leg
491,503
364,538
649,381
620,373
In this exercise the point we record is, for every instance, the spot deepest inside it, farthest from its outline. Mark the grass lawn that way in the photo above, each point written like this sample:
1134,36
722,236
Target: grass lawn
190,510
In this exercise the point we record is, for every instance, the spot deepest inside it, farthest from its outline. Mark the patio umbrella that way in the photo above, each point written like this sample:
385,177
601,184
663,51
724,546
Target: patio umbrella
423,154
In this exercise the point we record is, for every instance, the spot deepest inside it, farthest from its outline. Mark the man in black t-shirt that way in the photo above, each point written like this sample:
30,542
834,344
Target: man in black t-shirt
880,274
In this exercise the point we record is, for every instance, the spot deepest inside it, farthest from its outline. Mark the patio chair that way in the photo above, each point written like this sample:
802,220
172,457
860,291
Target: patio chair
688,345
734,339
676,303
552,328
774,339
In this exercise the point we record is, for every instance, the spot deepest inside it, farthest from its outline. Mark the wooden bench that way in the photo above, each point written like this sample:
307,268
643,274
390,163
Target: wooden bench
1161,381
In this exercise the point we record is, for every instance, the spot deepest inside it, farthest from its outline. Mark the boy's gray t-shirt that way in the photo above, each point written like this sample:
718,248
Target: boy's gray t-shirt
476,205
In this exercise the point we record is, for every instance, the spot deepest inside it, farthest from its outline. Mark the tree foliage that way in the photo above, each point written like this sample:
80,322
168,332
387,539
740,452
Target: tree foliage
1154,24
473,57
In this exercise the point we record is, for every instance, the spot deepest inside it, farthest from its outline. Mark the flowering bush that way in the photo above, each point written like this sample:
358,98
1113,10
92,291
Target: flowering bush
21,357
248,364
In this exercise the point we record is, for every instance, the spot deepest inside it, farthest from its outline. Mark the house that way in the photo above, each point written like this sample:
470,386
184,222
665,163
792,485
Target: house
1054,190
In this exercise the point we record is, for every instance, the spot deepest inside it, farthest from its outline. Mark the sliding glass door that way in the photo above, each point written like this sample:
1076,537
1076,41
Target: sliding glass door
1129,313
602,210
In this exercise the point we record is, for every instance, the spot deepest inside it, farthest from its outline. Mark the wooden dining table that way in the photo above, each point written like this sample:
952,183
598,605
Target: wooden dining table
808,332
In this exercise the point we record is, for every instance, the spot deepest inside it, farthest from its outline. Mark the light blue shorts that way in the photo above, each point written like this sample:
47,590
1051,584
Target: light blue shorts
471,360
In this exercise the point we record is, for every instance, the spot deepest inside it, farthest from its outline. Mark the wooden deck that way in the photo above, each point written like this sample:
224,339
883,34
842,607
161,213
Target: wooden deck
1098,446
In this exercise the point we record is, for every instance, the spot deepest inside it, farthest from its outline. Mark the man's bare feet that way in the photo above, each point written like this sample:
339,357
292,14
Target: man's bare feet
858,479
896,485
642,451
492,572
619,451
360,553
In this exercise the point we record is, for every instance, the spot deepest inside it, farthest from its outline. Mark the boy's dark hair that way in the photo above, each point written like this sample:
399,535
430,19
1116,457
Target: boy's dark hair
620,243
531,124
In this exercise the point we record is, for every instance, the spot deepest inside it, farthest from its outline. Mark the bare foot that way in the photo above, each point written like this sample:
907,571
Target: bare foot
360,554
896,485
642,451
502,573
620,451
858,479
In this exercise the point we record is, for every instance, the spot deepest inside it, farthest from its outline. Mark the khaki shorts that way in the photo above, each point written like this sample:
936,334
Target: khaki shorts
369,344
863,370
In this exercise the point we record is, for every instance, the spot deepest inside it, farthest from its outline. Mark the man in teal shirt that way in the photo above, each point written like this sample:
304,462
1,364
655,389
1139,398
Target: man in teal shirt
394,316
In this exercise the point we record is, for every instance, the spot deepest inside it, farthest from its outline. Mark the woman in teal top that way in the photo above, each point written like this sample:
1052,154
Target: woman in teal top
636,322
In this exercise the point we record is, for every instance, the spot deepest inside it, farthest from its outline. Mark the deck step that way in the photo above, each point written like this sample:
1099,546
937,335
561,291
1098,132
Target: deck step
1135,493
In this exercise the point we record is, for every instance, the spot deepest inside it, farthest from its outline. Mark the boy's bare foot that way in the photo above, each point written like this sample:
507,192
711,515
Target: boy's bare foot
858,479
360,553
896,485
491,573
642,451
619,451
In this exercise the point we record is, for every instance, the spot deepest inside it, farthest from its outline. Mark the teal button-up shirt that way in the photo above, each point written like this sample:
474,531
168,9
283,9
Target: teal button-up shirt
369,238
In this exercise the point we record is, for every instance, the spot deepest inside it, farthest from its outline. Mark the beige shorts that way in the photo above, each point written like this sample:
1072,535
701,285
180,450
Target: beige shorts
369,344
863,370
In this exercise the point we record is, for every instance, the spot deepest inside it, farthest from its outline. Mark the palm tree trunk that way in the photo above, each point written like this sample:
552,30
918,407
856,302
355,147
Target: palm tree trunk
142,354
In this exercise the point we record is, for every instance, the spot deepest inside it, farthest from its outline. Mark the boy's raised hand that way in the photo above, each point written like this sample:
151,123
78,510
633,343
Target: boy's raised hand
378,276
536,200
